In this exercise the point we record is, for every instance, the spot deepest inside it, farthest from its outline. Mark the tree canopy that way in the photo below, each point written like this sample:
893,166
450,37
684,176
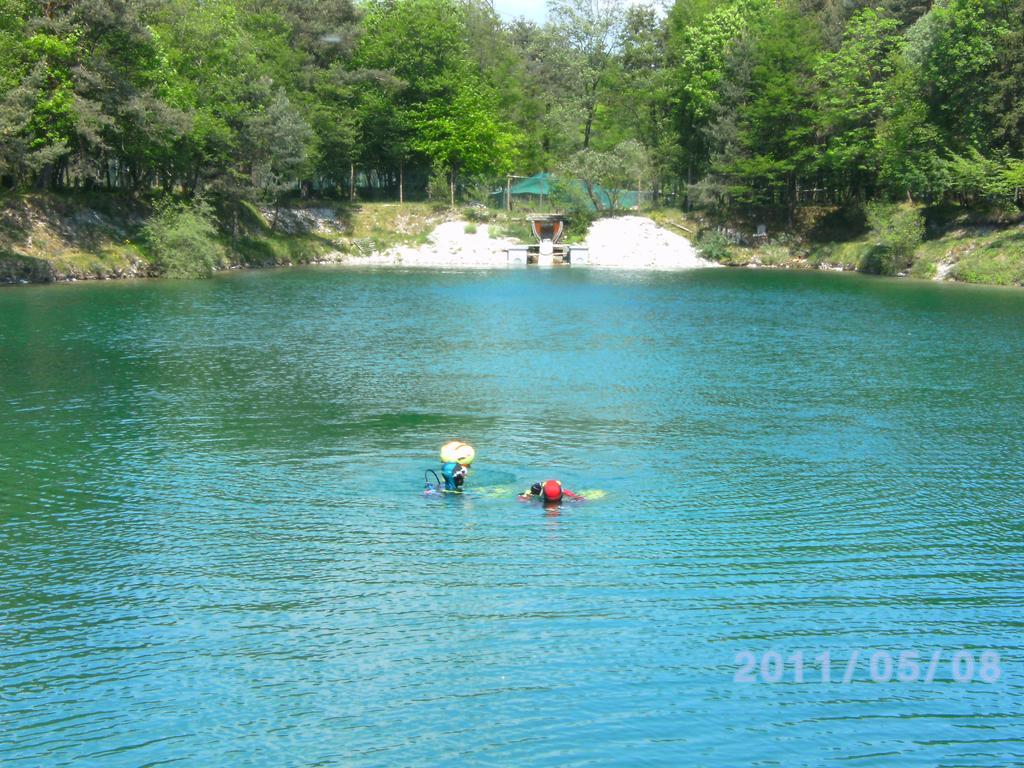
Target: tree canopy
746,103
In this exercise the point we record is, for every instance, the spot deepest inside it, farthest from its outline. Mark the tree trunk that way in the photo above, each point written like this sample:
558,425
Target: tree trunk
401,181
351,182
452,185
43,180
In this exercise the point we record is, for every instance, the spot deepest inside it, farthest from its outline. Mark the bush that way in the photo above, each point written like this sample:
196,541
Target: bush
181,239
774,255
896,232
573,201
924,270
438,188
714,246
476,213
470,228
477,191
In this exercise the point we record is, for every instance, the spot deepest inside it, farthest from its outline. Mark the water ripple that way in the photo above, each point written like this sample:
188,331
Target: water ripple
214,549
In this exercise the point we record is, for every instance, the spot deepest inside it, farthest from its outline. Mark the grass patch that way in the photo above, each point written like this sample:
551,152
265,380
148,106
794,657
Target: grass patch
997,261
848,255
271,250
508,226
393,223
674,220
773,255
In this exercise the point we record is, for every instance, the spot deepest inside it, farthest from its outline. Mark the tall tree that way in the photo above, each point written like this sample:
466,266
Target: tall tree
699,53
851,101
277,141
909,145
588,32
466,135
770,95
960,63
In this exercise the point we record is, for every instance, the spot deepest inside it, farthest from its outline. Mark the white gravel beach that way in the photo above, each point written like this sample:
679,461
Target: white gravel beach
635,242
625,242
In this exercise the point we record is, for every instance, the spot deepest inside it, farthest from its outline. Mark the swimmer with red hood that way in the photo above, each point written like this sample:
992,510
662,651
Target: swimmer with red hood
550,491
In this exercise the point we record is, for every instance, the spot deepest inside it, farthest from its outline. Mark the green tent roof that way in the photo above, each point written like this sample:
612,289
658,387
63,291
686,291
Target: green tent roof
540,184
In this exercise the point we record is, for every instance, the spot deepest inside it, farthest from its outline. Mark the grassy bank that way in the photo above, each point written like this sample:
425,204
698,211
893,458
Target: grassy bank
89,236
950,248
970,255
47,238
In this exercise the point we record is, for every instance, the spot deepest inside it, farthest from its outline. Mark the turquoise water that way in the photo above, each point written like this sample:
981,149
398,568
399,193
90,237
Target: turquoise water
214,549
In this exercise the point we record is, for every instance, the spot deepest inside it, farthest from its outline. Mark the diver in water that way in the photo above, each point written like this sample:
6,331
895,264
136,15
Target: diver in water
456,457
454,475
550,491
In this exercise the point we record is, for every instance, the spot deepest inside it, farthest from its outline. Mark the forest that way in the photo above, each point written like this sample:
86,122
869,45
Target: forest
737,105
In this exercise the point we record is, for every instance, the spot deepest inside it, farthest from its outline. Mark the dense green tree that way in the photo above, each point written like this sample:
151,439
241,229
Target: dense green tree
556,115
13,54
1005,93
603,176
277,144
909,146
767,142
753,99
962,55
907,11
586,32
699,52
466,135
851,99
641,103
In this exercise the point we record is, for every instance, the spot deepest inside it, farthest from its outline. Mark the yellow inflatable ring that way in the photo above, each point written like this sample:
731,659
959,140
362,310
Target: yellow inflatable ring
457,451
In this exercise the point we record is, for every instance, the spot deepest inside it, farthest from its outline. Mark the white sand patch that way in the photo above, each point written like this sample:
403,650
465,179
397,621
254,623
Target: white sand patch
626,242
449,245
634,242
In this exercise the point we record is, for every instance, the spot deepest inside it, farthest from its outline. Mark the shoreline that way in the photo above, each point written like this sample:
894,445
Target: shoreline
50,240
347,263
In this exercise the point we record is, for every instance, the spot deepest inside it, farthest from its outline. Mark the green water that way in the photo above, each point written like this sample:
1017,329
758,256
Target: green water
214,549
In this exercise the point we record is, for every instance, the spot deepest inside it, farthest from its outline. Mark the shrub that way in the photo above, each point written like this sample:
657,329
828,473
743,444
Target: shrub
774,255
477,191
181,239
439,189
896,232
924,270
572,200
476,213
714,246
470,228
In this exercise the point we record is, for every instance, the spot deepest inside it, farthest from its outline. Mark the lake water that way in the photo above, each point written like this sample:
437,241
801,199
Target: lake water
214,549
